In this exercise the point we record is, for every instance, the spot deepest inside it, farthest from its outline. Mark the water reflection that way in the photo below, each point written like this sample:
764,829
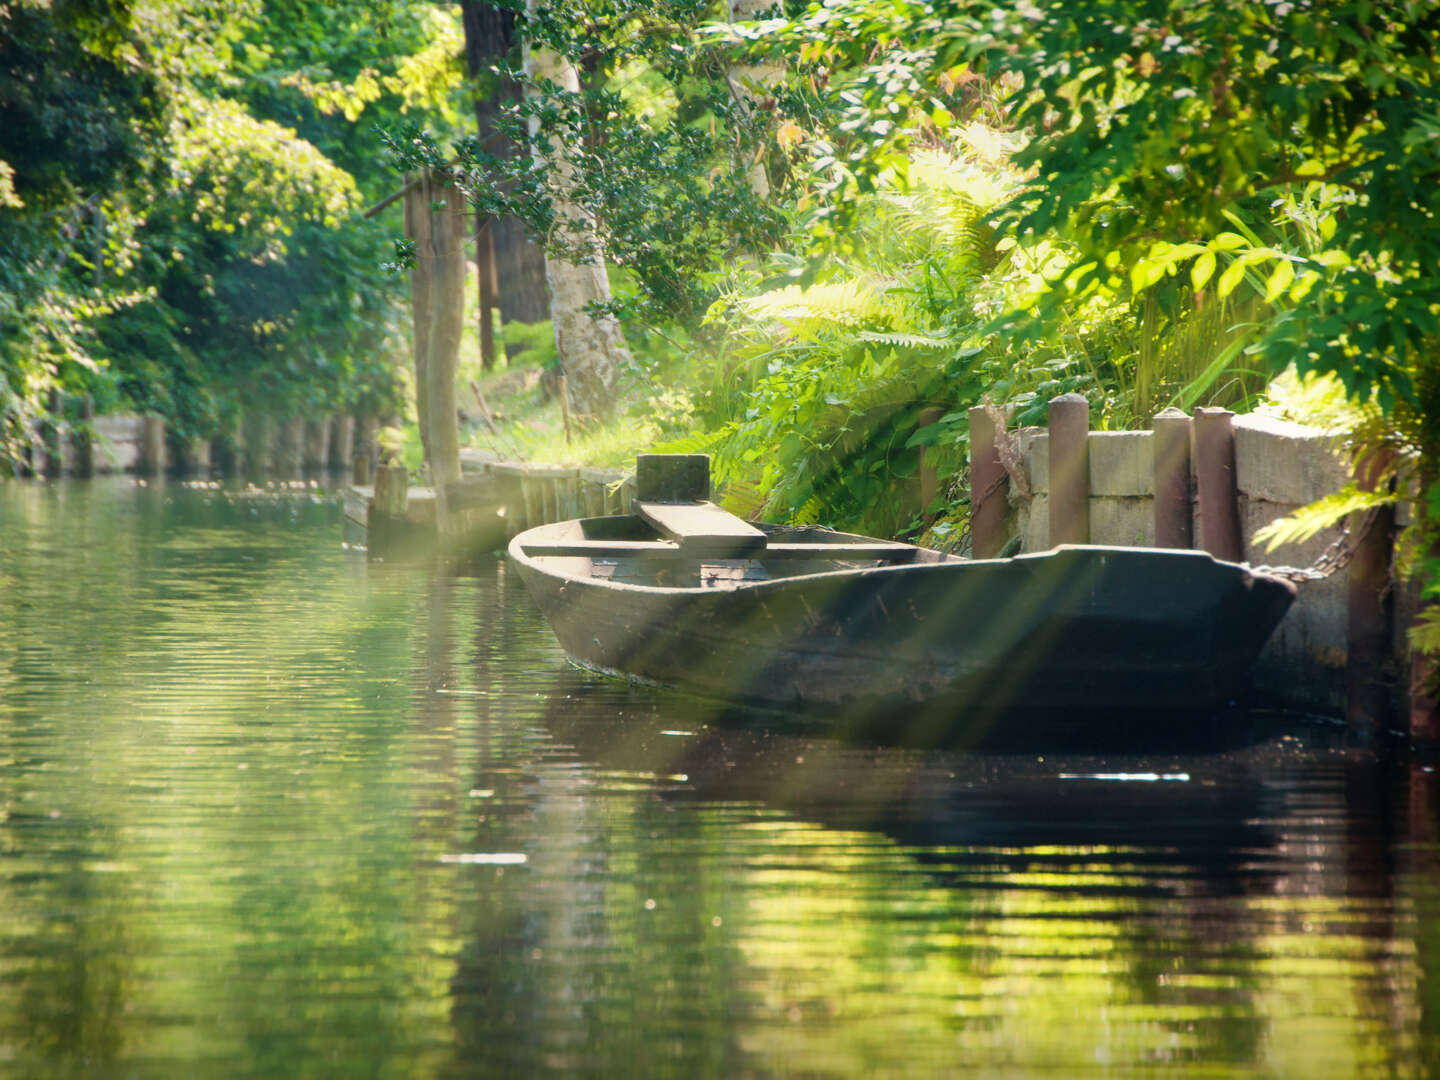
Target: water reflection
268,810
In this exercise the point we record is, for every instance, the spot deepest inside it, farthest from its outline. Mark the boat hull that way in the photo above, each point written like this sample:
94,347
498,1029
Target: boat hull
1077,628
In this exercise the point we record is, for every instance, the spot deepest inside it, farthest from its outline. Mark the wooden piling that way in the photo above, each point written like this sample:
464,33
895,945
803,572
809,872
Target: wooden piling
85,438
1174,516
989,486
53,432
1369,619
316,456
1424,720
1215,492
259,443
342,442
1069,470
392,492
152,446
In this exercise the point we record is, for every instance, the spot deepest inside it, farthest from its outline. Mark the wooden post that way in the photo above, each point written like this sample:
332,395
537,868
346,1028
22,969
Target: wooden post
259,442
1174,517
392,492
85,439
53,432
1424,676
486,283
989,487
1215,484
317,444
1069,470
672,477
152,446
342,444
1369,620
564,382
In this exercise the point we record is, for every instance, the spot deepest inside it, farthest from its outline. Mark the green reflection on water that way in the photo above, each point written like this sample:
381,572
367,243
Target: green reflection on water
267,810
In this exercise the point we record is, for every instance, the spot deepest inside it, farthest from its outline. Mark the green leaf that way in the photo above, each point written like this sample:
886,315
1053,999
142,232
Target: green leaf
1230,278
1201,270
1315,518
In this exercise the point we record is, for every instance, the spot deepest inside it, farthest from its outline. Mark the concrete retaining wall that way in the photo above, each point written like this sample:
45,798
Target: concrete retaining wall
1279,467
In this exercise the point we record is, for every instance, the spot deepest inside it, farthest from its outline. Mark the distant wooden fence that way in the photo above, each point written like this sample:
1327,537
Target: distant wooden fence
1210,481
140,444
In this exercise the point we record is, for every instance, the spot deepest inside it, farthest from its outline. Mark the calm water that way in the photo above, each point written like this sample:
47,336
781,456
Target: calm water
268,811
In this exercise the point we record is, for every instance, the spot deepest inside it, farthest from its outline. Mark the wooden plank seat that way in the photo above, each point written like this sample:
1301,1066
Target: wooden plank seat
663,549
702,529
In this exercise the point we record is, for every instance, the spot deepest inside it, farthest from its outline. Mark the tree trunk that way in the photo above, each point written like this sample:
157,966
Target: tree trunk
517,267
447,319
592,348
417,228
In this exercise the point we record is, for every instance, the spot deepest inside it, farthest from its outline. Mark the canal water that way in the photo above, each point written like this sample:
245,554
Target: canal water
268,810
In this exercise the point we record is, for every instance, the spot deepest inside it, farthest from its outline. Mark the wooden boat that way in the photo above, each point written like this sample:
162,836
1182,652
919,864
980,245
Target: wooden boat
682,594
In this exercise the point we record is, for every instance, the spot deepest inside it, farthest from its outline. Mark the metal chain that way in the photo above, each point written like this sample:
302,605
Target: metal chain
1334,558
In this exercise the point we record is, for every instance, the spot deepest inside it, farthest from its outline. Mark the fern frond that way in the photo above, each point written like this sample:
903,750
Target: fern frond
938,342
1309,521
838,303
1425,634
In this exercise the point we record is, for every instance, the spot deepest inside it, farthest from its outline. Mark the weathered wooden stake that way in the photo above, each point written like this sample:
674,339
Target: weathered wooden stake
152,446
53,432
259,442
1424,678
85,439
342,442
989,486
564,382
1215,490
316,453
1369,622
672,477
1069,470
1174,516
392,492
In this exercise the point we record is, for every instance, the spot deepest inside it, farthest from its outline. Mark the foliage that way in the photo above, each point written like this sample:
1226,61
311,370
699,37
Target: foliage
178,220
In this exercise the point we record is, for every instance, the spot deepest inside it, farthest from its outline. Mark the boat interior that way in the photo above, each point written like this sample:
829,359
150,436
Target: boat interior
635,550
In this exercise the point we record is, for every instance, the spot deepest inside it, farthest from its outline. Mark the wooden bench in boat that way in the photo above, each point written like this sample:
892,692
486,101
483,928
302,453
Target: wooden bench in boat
663,549
702,529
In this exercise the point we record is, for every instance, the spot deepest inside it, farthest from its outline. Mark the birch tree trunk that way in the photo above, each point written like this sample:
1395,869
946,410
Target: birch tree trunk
592,349
744,82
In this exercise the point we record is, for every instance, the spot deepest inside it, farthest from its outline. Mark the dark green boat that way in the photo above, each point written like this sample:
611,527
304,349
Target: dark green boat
808,618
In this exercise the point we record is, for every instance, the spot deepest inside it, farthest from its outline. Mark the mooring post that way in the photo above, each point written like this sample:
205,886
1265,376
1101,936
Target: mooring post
1369,620
53,432
989,486
152,445
1424,676
1174,517
1069,470
316,454
392,491
259,443
342,444
1215,490
85,438
672,477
